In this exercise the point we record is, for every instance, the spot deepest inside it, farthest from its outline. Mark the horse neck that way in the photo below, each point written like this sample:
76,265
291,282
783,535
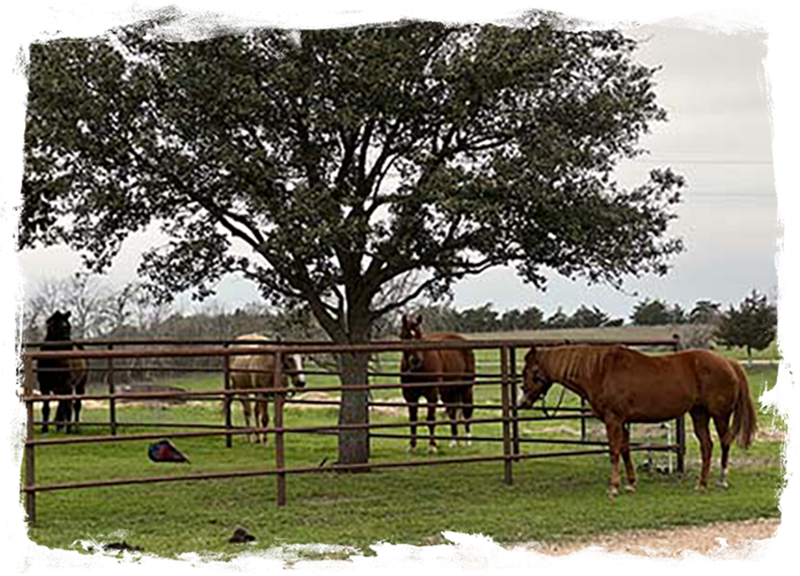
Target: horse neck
573,368
57,344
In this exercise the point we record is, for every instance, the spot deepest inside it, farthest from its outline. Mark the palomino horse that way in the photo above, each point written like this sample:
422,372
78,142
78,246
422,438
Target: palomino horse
258,371
624,386
61,376
428,367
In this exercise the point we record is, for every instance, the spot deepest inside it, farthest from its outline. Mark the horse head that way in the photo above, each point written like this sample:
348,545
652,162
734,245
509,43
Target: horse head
293,364
410,330
535,381
58,327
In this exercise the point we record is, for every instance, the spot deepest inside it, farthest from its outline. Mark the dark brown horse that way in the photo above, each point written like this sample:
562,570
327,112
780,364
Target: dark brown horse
430,367
624,386
61,376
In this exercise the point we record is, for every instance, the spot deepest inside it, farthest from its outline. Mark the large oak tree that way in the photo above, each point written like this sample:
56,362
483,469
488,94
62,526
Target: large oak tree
345,161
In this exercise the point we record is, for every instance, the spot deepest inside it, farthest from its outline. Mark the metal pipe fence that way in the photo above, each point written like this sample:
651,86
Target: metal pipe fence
505,413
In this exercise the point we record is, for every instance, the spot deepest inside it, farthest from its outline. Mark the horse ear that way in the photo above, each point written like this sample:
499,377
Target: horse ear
419,319
67,314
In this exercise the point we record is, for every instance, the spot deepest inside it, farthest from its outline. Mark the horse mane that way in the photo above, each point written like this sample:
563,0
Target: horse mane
250,337
575,363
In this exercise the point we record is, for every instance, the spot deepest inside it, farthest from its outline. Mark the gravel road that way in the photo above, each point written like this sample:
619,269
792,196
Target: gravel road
762,548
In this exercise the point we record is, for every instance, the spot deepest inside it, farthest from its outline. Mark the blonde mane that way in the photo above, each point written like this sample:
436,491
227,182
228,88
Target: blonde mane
574,363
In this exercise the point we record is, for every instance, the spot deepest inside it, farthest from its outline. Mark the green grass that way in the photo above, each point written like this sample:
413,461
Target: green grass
549,498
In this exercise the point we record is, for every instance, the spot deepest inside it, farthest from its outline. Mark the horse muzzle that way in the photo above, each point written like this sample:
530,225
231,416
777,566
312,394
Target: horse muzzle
526,401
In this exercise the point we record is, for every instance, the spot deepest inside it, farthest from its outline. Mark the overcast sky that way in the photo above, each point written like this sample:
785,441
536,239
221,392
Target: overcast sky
728,81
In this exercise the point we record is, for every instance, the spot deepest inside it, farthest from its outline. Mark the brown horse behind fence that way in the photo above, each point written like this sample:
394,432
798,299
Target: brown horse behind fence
624,386
61,376
436,373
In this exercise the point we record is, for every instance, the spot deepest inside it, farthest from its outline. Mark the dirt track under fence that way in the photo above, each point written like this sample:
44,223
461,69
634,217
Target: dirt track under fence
753,548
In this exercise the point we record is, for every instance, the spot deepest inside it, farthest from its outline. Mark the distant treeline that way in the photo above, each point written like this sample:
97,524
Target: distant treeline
130,314
99,312
485,319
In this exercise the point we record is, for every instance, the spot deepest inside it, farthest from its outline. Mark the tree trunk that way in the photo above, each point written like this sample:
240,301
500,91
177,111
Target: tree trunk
354,443
354,329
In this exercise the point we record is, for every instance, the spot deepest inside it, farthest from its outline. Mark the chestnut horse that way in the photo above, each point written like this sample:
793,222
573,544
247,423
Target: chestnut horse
429,367
61,376
624,386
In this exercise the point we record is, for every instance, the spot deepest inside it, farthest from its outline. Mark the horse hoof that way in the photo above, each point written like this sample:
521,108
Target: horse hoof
432,450
630,488
613,493
453,443
700,487
412,449
722,484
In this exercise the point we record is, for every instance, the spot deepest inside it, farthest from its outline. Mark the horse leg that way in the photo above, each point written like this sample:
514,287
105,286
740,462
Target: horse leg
700,422
614,434
246,410
466,412
63,414
45,415
264,409
432,401
80,389
721,423
76,406
630,472
452,414
413,409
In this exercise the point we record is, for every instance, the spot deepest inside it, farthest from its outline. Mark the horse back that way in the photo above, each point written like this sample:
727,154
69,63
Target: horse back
241,366
638,387
684,379
458,361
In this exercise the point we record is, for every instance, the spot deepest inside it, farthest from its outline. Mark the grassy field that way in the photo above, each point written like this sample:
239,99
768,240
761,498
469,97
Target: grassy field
623,333
490,358
549,498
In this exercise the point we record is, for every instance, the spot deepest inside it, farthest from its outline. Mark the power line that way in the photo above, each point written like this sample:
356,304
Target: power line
721,162
695,194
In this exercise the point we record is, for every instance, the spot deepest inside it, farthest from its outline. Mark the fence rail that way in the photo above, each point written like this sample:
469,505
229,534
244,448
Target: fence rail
109,351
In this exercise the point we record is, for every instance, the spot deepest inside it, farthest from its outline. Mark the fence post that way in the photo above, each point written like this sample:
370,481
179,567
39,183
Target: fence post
508,477
112,403
514,394
680,425
226,372
14,392
583,419
280,459
30,456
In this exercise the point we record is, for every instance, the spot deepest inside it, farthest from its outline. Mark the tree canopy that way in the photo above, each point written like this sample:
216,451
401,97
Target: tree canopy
656,312
753,325
351,170
326,165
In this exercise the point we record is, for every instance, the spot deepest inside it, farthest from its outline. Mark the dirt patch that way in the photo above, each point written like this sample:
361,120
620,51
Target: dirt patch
729,549
389,411
770,436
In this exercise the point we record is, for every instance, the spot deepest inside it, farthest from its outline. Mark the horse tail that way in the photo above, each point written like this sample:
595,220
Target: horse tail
744,412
